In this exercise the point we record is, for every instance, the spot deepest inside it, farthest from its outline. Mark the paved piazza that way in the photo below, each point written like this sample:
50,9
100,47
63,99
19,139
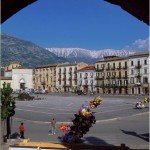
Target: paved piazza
117,119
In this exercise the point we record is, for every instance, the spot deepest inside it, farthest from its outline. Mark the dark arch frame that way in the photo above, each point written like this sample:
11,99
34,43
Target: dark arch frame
137,8
10,7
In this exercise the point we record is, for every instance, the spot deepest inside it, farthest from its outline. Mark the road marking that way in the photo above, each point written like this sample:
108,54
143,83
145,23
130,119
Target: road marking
43,112
51,108
97,121
120,118
70,104
112,110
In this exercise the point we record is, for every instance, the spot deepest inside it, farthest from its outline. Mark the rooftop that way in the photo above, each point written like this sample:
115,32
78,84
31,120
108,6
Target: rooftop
90,67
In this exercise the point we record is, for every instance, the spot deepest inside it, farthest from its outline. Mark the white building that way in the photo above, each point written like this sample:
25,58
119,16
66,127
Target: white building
87,79
139,73
66,76
21,77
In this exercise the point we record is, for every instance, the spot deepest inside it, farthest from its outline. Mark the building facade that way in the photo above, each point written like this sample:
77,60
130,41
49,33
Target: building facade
66,76
8,69
112,75
87,79
21,78
45,77
139,73
6,81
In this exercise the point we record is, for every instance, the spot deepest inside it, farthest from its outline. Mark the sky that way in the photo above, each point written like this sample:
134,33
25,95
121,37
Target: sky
88,24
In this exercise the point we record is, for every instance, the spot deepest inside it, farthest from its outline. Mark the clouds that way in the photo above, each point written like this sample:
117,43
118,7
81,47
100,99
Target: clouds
139,45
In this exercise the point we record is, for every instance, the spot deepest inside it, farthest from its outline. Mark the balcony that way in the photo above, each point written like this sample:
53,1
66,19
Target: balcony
107,85
70,72
137,66
118,77
137,84
64,84
121,86
100,78
69,78
64,79
86,82
75,72
119,68
108,68
108,77
113,68
100,69
138,76
97,85
43,82
75,78
124,67
85,77
113,77
124,76
145,84
101,85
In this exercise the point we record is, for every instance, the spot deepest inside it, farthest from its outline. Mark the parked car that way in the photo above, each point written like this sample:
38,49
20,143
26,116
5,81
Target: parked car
39,91
79,92
25,96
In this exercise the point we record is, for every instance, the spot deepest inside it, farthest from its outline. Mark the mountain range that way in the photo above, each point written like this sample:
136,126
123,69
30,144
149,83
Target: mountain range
28,53
88,56
32,55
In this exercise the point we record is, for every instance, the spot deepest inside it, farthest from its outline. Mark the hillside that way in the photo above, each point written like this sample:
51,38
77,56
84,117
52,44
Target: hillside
29,54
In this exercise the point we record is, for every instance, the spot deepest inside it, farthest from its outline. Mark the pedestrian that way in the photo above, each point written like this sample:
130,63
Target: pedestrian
21,130
53,124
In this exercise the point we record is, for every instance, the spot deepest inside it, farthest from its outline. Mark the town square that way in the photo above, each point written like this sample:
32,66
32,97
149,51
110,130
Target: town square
117,119
75,75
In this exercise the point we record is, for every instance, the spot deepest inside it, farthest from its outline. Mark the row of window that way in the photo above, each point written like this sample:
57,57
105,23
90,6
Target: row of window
46,69
138,80
138,62
133,71
132,63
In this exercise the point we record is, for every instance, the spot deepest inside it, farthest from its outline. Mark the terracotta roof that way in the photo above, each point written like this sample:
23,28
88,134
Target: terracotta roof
67,64
90,67
5,78
20,67
8,70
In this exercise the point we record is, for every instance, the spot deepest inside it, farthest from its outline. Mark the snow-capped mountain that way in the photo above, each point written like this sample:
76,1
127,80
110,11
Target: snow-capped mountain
79,54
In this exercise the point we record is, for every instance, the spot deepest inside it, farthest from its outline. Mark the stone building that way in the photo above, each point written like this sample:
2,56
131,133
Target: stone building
45,77
112,75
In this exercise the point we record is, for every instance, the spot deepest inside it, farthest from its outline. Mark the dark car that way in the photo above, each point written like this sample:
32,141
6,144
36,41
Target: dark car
25,96
79,92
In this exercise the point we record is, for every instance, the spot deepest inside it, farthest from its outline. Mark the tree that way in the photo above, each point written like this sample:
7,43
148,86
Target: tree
7,109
